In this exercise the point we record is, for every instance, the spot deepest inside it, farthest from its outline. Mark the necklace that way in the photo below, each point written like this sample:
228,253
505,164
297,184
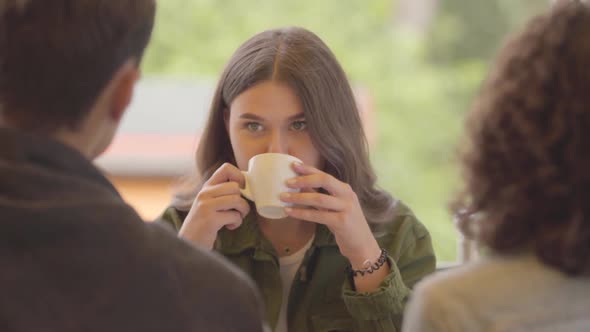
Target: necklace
291,244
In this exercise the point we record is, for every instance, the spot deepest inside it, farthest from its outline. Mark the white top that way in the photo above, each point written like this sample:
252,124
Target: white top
289,266
500,294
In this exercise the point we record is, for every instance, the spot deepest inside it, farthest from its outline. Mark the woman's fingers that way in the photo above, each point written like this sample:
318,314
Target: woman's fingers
218,204
311,177
315,200
325,217
227,173
228,203
232,219
221,189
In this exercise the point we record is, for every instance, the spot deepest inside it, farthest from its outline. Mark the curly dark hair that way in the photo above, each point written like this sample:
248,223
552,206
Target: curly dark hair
526,164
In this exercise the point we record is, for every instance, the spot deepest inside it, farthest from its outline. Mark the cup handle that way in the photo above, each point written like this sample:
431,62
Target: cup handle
247,191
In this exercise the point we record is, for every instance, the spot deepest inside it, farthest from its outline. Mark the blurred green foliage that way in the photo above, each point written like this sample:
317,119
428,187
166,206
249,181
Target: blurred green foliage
422,83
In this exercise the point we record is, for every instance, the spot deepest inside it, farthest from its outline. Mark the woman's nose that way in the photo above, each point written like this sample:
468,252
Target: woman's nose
277,143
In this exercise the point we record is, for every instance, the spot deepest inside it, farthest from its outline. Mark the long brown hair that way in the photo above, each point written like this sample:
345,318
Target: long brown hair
527,165
300,59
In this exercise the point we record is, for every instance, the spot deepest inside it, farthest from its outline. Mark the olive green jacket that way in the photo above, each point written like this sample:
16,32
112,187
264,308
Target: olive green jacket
322,296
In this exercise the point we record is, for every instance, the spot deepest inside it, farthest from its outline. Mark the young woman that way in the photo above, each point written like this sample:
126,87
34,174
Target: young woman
527,172
283,91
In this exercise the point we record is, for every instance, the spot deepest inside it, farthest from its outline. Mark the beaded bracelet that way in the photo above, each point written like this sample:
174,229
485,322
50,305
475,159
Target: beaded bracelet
368,266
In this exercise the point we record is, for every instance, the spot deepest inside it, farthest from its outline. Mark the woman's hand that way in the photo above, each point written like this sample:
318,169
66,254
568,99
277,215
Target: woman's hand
218,204
339,210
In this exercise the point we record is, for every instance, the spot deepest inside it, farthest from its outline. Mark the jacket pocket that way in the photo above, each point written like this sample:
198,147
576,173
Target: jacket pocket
332,324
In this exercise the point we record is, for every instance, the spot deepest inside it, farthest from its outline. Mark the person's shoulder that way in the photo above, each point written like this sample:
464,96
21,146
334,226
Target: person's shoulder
206,280
434,305
190,257
465,280
446,290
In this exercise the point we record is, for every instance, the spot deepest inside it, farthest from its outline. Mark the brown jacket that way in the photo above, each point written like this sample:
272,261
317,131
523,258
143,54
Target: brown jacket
75,257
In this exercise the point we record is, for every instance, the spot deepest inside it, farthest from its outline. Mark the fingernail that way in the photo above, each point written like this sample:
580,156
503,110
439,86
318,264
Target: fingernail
288,209
285,195
291,181
297,164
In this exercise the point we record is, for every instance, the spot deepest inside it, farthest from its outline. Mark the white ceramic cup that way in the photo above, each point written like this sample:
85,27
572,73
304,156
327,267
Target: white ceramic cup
265,181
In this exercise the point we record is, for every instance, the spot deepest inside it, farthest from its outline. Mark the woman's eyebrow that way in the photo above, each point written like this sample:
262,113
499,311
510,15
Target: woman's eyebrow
297,116
251,116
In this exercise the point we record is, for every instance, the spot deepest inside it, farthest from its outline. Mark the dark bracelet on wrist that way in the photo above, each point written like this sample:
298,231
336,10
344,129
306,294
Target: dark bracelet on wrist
370,266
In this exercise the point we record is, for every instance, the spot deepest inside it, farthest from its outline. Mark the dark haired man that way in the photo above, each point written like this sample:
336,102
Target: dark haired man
73,255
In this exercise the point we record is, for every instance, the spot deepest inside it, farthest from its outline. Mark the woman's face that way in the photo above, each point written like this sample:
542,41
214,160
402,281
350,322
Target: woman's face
269,117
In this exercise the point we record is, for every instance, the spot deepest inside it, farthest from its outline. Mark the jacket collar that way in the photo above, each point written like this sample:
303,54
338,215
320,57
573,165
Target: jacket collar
22,150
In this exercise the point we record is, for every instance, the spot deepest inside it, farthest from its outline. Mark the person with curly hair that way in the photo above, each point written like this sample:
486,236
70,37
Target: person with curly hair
527,190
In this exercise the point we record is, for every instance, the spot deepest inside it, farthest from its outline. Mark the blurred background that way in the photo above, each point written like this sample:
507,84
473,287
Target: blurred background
415,66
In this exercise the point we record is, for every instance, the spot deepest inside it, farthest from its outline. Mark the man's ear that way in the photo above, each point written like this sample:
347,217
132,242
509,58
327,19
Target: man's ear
122,89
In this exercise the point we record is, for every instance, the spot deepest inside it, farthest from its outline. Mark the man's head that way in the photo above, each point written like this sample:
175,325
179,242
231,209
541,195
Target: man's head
62,61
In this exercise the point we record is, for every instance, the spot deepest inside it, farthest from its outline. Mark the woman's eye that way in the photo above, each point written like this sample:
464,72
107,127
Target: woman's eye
299,125
253,126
